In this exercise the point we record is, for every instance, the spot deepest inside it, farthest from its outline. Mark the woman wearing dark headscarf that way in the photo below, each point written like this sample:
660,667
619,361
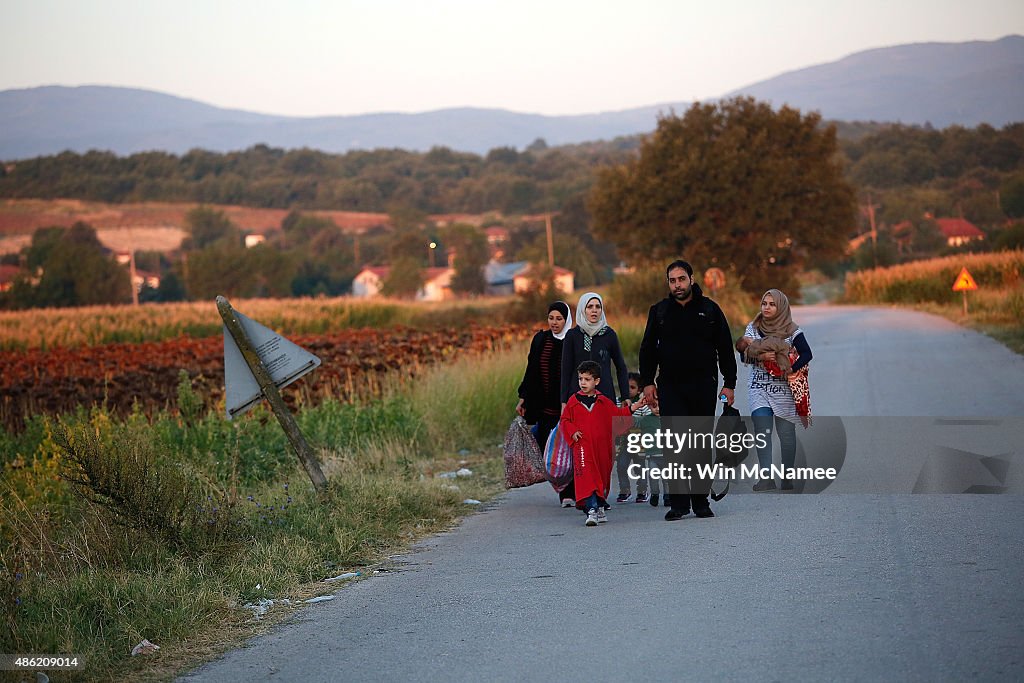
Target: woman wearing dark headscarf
540,391
592,339
779,352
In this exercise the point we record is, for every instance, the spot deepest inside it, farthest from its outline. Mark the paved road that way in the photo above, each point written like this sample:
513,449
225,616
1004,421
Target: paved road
861,586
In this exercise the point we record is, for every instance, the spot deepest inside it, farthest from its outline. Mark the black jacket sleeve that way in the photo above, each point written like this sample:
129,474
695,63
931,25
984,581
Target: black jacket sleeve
569,363
532,368
726,352
804,349
649,349
621,370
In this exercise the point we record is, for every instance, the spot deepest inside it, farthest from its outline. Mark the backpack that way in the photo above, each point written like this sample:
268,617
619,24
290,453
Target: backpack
661,310
730,423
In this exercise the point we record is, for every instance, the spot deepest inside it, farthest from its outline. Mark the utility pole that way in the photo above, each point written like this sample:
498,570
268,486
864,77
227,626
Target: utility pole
131,266
131,271
551,243
874,231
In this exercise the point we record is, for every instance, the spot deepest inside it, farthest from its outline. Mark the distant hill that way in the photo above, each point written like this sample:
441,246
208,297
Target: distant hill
940,83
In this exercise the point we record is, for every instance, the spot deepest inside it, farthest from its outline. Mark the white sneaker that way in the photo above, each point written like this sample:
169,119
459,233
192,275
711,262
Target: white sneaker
568,503
591,517
602,516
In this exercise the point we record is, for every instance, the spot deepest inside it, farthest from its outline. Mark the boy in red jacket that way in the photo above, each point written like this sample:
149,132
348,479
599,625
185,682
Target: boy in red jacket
588,418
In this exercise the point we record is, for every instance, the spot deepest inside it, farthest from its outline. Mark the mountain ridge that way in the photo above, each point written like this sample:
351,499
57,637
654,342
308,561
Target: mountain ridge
936,83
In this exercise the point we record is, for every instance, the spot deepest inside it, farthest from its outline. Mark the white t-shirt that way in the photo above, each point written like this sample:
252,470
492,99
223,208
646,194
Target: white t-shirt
767,390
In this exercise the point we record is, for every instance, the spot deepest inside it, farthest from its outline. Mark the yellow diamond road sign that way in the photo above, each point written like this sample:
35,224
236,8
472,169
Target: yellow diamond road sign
964,282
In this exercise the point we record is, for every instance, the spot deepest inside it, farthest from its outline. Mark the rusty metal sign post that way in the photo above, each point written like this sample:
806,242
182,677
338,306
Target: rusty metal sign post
269,389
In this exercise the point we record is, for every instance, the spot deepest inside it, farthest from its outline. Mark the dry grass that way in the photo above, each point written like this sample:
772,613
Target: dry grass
91,325
96,579
932,280
996,308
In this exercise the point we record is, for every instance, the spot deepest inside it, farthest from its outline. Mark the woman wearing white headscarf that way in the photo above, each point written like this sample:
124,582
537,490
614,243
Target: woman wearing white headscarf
778,351
592,339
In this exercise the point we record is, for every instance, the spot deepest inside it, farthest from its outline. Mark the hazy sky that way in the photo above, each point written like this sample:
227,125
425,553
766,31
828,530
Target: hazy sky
312,57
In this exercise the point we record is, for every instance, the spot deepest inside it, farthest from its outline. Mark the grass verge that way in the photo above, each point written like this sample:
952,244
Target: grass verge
164,528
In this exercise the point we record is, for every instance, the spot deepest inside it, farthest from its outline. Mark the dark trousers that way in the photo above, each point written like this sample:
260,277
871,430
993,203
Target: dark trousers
688,400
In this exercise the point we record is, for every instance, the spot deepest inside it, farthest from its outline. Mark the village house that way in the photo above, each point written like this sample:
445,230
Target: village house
517,277
497,237
501,277
958,231
253,238
564,280
8,273
144,278
437,283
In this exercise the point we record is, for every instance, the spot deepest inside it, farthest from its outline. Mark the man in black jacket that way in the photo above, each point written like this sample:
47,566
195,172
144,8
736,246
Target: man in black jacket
686,342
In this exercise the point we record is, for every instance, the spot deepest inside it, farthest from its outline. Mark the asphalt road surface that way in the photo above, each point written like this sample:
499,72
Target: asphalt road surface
876,583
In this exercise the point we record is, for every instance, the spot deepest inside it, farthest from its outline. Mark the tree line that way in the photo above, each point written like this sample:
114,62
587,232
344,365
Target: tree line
439,181
961,167
758,191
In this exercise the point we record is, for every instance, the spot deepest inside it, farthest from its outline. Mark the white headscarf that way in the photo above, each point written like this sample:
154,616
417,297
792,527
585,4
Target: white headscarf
581,318
568,318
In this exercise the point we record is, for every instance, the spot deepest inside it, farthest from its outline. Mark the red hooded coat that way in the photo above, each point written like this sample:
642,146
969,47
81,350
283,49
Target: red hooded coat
594,454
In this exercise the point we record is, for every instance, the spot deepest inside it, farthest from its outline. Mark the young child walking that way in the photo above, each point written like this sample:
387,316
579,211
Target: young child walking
625,458
589,420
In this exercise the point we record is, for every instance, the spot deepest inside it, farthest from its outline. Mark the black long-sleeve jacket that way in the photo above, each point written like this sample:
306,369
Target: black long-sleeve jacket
604,349
686,344
541,388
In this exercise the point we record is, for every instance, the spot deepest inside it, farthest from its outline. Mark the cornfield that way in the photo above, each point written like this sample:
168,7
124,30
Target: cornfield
931,281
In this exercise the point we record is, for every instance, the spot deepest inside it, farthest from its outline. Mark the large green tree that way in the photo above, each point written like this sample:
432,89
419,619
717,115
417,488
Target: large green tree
70,268
734,184
471,252
208,226
233,271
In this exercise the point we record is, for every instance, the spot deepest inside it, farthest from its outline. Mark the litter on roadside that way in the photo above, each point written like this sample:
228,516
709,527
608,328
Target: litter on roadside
342,577
144,648
259,608
319,598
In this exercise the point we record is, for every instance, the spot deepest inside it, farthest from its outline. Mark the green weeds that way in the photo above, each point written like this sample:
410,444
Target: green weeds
164,527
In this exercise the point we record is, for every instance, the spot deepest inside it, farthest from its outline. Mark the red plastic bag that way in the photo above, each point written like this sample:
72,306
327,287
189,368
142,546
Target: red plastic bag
524,465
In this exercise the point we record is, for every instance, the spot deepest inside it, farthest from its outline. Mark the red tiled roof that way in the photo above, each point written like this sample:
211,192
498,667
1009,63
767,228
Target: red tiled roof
559,270
433,273
8,272
958,227
380,271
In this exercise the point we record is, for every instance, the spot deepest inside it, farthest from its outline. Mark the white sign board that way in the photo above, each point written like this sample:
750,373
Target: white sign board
284,361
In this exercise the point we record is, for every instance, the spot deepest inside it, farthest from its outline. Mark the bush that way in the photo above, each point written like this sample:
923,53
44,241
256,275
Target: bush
128,478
